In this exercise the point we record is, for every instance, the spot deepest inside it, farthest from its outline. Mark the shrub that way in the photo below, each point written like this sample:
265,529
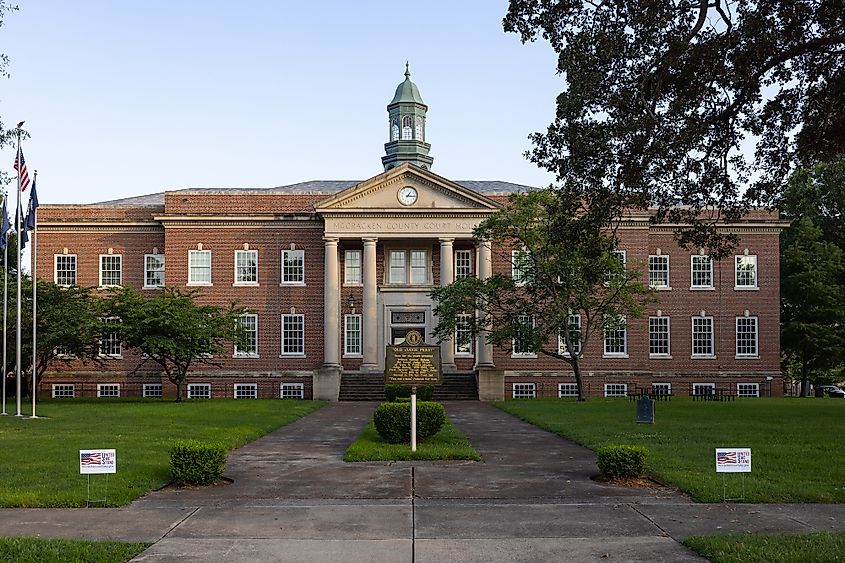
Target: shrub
393,421
393,392
196,463
621,461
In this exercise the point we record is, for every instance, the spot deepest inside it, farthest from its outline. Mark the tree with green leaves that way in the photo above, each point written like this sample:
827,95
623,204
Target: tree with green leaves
568,283
813,273
812,303
67,326
173,330
662,100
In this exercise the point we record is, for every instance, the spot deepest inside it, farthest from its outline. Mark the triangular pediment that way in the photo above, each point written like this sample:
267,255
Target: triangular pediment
432,193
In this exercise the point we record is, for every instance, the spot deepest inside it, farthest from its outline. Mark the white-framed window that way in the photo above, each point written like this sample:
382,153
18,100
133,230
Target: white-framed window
293,267
108,390
658,337
463,335
463,264
408,266
520,265
63,390
246,267
658,271
352,335
746,337
111,270
199,267
419,129
615,389
291,391
419,267
153,271
701,272
622,257
407,125
567,390
702,337
616,338
110,340
746,272
249,322
524,391
153,390
245,390
397,272
199,390
661,388
64,269
703,388
293,335
574,335
747,389
521,343
352,267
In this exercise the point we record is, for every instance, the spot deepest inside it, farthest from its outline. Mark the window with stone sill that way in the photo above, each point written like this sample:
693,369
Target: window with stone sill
246,267
249,323
64,269
199,267
746,272
408,267
293,267
153,270
111,270
352,267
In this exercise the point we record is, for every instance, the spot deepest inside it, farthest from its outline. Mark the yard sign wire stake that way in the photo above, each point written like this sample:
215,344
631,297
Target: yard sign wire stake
89,501
725,489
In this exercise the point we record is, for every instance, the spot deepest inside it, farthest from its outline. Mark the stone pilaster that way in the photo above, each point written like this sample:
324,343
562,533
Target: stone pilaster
369,307
447,276
484,354
331,306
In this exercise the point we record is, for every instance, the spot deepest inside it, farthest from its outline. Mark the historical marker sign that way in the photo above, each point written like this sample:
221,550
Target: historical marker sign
413,362
645,410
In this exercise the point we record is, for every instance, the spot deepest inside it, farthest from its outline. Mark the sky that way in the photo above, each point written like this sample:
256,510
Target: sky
129,98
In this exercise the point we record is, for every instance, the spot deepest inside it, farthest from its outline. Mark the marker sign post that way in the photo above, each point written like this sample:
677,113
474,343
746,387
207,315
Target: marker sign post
97,462
413,363
733,460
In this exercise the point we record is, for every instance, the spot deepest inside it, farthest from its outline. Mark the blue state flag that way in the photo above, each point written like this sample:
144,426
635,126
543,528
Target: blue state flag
5,227
33,205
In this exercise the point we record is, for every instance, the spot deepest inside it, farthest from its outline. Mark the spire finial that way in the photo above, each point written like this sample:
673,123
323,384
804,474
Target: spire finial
407,70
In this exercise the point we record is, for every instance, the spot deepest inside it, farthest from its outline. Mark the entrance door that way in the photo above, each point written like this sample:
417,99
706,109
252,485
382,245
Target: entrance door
403,321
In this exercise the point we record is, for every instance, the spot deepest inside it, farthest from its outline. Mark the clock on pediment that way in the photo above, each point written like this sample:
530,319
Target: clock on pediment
407,195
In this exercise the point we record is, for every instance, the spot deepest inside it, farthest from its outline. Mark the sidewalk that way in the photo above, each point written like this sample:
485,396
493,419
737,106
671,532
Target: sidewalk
531,499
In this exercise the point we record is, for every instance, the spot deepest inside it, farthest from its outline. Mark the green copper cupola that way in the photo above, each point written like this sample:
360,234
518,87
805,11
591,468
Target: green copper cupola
406,120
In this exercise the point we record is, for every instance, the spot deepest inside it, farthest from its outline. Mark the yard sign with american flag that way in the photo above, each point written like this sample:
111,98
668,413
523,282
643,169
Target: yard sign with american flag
733,460
97,461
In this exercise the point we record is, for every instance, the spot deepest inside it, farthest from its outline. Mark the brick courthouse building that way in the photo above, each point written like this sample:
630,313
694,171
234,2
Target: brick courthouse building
333,271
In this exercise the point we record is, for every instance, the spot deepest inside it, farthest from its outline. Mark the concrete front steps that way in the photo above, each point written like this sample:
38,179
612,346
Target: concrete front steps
459,386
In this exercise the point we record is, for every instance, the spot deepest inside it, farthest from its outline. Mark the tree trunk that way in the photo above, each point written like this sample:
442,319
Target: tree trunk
805,380
576,367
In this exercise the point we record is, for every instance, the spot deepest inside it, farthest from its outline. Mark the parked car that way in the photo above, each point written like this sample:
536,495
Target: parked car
832,391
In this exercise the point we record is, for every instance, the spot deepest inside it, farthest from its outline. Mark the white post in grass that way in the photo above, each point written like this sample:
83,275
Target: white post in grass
414,418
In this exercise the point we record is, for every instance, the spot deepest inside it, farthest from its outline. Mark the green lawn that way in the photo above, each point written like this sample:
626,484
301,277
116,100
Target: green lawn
37,550
449,443
797,454
39,460
770,548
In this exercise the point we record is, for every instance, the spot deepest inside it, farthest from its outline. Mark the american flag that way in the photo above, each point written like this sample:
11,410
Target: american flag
20,166
91,458
726,458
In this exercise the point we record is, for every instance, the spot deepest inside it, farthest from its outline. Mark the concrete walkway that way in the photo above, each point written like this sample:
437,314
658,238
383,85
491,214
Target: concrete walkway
293,499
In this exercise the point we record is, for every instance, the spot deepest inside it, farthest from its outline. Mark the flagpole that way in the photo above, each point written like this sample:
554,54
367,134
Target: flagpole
34,291
18,335
5,299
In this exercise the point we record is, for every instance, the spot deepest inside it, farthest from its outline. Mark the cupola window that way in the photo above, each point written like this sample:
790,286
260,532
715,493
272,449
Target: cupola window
407,125
394,130
419,134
